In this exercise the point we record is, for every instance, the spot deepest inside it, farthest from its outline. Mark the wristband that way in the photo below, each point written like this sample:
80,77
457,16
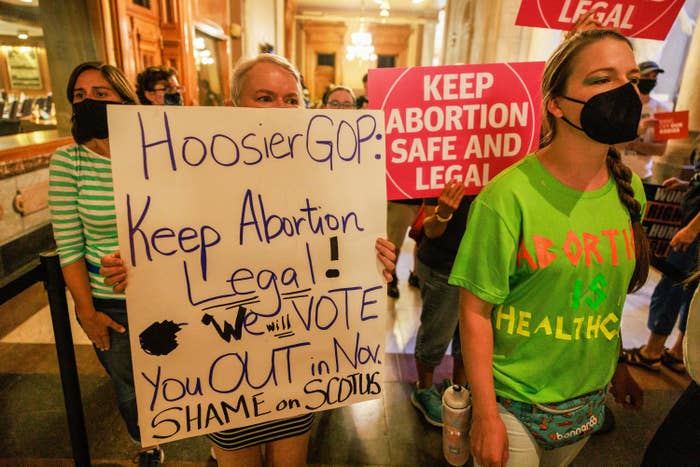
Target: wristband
442,219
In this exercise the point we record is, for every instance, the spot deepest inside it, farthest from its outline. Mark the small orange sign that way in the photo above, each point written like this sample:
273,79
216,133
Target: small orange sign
671,125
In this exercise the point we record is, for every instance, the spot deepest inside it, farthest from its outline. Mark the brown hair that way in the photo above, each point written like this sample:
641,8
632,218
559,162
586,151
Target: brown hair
557,71
114,76
148,78
331,89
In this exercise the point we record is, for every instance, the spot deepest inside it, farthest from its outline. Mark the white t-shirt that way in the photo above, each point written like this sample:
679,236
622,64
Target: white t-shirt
641,163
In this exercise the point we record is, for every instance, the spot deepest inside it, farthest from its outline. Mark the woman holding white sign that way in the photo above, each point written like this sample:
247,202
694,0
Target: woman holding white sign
81,198
266,81
553,245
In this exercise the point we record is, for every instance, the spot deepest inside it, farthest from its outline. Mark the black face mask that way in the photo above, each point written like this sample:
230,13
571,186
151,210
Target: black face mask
174,98
90,120
610,117
646,85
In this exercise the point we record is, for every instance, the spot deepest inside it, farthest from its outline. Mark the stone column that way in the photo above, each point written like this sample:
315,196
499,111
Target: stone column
69,39
675,162
428,44
458,32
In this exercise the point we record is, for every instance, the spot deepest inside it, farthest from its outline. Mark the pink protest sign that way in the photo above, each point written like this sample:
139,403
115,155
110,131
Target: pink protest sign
671,125
461,121
648,19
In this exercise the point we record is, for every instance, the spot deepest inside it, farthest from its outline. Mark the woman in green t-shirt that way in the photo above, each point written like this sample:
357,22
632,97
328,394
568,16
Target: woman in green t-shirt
552,247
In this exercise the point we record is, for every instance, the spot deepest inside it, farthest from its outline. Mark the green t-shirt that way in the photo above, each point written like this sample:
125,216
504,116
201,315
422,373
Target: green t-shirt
556,262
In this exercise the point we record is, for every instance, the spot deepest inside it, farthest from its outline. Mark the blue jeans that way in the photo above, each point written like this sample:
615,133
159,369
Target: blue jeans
117,362
670,298
439,318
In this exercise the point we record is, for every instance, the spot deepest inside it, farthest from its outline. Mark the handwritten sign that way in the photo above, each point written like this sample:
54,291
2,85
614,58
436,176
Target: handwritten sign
671,125
662,218
644,19
463,121
254,290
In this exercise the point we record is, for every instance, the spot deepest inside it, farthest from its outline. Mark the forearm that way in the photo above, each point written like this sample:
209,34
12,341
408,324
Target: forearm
477,348
694,225
76,276
648,148
432,227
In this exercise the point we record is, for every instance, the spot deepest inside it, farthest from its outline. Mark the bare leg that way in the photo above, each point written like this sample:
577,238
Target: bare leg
246,457
288,452
458,374
677,349
654,346
425,375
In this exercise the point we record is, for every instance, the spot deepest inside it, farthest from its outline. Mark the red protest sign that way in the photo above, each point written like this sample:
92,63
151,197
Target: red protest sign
648,19
462,121
671,125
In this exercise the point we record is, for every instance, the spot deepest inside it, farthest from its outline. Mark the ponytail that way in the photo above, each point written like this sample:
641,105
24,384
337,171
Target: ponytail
623,178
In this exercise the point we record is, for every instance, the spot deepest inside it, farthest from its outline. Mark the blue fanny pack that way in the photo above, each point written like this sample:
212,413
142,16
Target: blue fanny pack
557,424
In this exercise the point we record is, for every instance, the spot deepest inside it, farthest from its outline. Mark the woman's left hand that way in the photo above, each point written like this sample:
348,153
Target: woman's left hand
386,253
625,389
585,22
114,271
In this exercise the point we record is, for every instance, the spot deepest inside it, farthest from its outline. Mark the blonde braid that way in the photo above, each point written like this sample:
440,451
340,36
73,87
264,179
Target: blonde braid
623,178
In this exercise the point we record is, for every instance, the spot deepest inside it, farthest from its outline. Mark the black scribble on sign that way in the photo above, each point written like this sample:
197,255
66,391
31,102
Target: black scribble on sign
227,331
159,338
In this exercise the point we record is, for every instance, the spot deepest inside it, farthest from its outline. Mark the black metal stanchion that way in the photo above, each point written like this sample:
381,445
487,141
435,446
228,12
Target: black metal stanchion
56,290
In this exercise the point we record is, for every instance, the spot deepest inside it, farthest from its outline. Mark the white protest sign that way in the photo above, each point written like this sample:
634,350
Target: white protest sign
254,290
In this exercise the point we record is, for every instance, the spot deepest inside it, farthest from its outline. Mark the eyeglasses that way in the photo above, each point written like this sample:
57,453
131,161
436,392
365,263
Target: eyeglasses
172,90
341,105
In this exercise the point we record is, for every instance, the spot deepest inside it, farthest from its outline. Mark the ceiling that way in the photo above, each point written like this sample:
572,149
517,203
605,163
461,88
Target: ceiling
400,11
11,29
21,2
372,5
20,15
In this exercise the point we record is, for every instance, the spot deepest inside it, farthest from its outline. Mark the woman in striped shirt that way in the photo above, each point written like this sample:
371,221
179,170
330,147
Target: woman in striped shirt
81,199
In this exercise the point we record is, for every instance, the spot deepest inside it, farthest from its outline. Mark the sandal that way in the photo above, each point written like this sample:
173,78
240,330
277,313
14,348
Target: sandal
674,364
634,357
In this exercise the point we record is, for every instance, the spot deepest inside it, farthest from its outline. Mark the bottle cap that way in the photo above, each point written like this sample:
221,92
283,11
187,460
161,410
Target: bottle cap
456,397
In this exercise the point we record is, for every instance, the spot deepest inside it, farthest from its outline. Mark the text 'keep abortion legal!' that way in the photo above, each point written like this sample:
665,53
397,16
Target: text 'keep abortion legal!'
254,291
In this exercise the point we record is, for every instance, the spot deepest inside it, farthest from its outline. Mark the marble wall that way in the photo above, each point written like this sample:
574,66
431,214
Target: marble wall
22,237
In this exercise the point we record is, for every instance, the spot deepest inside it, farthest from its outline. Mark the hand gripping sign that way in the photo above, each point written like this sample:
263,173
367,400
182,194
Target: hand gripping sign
467,122
643,19
254,291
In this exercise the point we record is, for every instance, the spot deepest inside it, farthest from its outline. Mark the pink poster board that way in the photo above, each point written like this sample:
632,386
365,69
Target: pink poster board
460,121
644,19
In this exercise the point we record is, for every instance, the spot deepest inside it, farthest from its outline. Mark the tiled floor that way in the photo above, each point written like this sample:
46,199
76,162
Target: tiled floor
387,431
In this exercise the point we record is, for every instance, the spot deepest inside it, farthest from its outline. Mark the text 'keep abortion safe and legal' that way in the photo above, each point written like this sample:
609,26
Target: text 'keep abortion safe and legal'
465,122
254,290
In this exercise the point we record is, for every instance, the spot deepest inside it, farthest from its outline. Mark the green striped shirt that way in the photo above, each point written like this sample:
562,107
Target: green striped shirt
81,199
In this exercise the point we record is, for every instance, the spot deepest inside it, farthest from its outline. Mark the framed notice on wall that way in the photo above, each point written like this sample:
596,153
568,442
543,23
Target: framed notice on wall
23,67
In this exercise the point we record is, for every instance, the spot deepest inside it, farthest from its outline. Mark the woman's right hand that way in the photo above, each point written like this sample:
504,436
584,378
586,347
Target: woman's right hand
675,183
489,441
114,271
97,325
